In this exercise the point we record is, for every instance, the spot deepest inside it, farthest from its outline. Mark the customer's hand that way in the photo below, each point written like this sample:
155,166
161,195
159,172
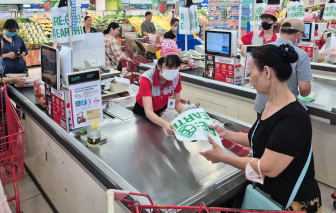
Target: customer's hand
216,154
10,55
220,130
169,128
19,81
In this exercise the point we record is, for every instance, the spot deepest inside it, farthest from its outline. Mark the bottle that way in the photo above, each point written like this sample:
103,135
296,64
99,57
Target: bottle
93,136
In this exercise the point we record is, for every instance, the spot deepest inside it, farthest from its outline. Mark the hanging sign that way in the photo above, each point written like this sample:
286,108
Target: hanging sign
60,28
5,15
28,14
329,11
259,9
295,10
311,2
85,98
193,125
184,24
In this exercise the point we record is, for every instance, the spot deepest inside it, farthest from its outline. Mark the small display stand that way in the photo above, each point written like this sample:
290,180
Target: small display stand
311,49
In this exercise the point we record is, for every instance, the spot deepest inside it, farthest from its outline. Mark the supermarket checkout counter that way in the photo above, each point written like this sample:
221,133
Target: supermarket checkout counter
136,156
237,102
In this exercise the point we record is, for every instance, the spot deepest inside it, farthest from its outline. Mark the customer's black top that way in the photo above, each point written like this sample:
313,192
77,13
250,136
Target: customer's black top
170,35
288,131
92,30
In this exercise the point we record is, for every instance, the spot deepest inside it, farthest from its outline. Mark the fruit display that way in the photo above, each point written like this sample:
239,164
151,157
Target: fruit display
33,33
161,23
46,26
136,23
101,23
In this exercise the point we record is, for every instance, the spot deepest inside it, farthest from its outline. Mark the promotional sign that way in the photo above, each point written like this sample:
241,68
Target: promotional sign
112,4
192,125
58,107
189,22
227,70
209,66
295,10
85,99
327,45
28,14
311,49
60,28
5,15
259,9
329,11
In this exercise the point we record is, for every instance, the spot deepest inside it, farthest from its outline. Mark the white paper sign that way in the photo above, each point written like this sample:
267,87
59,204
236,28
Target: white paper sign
329,11
28,14
60,29
86,103
259,9
5,15
296,10
184,20
193,124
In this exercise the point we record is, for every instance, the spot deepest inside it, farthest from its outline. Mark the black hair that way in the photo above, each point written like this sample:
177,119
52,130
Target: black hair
86,18
288,31
148,13
173,20
10,24
112,25
277,58
266,16
171,61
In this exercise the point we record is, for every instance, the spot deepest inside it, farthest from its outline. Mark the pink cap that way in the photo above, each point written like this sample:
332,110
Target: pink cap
270,10
169,47
308,17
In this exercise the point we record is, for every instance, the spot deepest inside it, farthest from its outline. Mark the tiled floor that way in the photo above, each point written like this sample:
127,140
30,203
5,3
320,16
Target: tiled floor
327,201
31,199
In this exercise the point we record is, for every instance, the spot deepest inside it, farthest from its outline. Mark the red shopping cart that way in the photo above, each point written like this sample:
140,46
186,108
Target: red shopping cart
334,197
133,73
136,206
11,145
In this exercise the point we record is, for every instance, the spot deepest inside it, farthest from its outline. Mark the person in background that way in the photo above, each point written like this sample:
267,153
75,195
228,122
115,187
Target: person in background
13,49
147,27
267,34
159,84
113,53
87,27
292,31
171,34
281,139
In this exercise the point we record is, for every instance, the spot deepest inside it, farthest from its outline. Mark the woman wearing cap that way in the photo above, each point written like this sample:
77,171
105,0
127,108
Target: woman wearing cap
267,34
161,85
278,160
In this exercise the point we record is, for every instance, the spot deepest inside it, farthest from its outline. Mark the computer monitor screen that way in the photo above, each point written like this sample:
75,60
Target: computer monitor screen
310,31
218,43
50,66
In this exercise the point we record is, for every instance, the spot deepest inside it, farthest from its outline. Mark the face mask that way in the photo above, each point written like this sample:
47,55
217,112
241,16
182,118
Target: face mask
174,29
296,42
10,34
251,175
169,75
266,26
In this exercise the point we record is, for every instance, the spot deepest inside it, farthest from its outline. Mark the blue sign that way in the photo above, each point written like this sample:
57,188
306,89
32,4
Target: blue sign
84,5
73,15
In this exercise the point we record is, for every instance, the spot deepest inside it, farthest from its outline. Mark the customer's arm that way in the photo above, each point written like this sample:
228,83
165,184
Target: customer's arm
24,49
236,137
304,74
17,81
117,51
144,30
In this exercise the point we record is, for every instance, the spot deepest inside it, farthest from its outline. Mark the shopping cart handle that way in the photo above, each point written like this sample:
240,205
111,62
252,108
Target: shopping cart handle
117,194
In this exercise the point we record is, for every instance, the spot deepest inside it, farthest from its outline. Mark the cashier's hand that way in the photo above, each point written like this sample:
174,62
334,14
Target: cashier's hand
243,50
215,155
169,128
220,130
19,81
11,55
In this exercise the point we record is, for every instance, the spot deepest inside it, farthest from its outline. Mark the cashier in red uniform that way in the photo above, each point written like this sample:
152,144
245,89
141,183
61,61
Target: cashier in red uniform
160,87
267,34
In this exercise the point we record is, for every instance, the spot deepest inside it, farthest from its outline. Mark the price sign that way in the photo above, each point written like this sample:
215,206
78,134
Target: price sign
5,15
27,14
125,1
311,2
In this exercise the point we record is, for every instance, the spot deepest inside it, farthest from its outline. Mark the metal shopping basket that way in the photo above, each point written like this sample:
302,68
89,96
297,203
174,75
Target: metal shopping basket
11,145
136,206
133,73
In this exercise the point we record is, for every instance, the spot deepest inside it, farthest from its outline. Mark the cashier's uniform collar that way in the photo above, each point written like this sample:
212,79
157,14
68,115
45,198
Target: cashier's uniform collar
156,80
274,37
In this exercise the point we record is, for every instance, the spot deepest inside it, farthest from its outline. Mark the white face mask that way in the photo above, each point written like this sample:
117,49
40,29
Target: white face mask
169,75
174,29
251,175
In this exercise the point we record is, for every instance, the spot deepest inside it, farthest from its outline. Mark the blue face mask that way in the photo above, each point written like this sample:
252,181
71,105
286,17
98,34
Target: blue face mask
297,43
10,34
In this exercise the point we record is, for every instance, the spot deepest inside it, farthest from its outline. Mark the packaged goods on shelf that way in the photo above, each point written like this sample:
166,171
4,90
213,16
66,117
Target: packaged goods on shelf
133,35
127,27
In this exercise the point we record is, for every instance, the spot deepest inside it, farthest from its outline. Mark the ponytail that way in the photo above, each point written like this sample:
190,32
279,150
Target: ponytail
112,25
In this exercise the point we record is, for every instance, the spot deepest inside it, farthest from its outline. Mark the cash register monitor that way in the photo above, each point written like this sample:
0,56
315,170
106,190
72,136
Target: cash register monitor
310,31
50,65
221,42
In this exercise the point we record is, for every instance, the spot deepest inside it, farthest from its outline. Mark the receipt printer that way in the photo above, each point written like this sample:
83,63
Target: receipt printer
92,63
